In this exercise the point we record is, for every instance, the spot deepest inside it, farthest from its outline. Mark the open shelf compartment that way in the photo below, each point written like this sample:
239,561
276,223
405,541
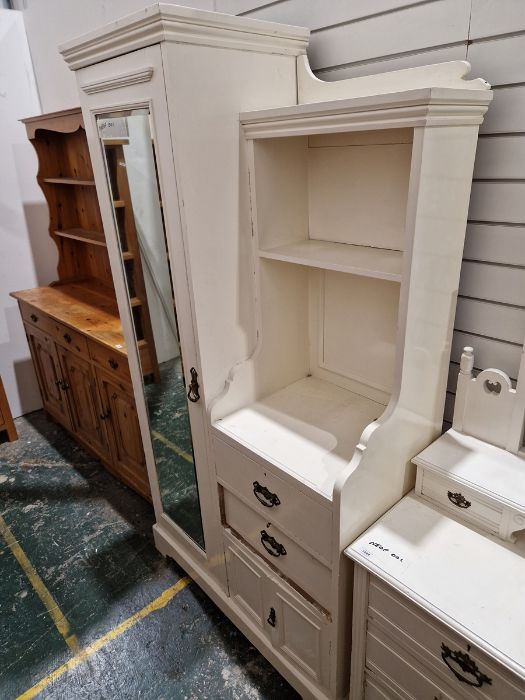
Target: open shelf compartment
309,429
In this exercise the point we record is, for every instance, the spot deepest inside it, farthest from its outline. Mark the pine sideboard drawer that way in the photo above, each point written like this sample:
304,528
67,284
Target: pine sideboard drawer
438,651
70,339
110,360
463,502
36,318
298,515
278,549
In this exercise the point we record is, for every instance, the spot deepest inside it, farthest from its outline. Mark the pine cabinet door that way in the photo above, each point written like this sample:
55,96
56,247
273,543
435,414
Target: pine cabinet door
127,454
86,415
50,380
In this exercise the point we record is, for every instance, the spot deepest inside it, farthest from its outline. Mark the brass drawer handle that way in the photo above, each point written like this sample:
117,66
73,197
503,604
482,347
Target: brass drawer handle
113,363
67,338
276,549
271,617
458,499
106,415
474,676
265,496
34,318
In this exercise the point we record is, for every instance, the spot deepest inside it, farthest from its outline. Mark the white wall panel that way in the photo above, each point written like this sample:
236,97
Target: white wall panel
420,26
493,17
317,14
498,243
424,58
507,111
498,201
493,282
491,320
491,59
500,157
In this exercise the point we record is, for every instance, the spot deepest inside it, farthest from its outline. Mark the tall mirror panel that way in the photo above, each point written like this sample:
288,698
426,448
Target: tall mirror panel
129,153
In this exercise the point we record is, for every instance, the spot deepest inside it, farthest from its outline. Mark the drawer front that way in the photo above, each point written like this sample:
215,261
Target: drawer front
381,688
294,627
299,516
36,318
401,673
70,339
460,501
113,362
463,668
278,549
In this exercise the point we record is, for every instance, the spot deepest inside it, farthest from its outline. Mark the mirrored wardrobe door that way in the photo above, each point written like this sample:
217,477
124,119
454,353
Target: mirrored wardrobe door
129,156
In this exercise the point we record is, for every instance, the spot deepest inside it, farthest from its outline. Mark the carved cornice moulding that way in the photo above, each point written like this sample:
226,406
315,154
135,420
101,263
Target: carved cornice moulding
161,22
118,81
412,108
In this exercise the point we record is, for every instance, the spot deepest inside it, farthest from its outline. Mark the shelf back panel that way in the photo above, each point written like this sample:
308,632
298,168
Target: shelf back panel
358,328
358,193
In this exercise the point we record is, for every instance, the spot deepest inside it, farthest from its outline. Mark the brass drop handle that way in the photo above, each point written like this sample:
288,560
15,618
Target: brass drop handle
265,496
458,499
113,363
271,617
34,318
463,667
276,549
67,338
106,415
193,392
64,386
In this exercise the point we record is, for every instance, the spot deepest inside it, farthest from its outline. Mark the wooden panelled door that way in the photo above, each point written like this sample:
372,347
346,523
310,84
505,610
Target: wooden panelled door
118,406
86,415
49,376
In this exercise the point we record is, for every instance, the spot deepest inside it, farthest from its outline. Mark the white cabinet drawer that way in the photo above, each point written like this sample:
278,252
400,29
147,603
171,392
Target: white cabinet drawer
294,627
410,680
278,549
299,516
460,500
440,653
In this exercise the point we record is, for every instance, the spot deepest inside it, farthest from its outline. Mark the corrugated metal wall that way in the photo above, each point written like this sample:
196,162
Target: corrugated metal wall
362,37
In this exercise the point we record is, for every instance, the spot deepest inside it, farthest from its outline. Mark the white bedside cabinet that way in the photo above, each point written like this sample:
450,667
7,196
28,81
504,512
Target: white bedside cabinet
439,609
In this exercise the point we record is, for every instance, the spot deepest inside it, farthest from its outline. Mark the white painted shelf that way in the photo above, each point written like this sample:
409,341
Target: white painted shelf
309,429
341,257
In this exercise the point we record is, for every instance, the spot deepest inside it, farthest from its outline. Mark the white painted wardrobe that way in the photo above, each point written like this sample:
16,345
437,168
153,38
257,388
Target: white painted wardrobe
314,233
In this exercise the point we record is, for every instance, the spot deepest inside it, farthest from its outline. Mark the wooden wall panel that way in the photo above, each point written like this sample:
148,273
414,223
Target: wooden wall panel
363,37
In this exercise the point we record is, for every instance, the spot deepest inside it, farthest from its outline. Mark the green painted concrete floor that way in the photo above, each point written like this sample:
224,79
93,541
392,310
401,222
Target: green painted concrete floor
88,607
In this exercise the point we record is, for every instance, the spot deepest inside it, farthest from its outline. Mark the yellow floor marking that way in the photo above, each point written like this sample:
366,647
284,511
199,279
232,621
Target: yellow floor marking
58,617
172,446
157,604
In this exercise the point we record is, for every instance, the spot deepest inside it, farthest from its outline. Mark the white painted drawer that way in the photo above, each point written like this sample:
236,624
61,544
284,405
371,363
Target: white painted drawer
294,627
463,502
435,649
402,677
307,572
377,690
299,516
